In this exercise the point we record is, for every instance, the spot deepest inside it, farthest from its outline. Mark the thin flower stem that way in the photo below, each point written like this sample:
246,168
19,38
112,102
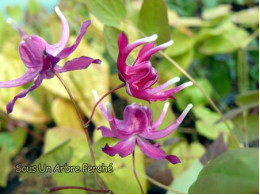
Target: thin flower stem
93,111
82,124
245,127
54,189
138,181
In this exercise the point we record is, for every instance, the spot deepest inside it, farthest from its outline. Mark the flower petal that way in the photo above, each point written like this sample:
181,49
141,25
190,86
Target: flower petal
68,50
113,122
160,119
147,55
144,49
106,132
31,49
165,85
36,84
100,105
139,42
65,33
141,76
163,133
122,41
173,159
16,26
164,95
136,119
125,49
123,148
150,150
77,64
26,78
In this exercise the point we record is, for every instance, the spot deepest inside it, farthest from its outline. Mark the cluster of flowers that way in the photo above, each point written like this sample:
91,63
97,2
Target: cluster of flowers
137,126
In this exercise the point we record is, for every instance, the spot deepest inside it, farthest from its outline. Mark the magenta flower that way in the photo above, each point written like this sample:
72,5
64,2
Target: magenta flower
136,128
41,58
140,76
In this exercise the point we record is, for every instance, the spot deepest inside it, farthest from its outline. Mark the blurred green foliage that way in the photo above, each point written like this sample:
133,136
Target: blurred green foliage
215,41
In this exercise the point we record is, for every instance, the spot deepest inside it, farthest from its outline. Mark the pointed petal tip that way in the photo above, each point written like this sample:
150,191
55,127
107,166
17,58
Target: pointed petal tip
9,107
187,109
149,39
190,106
9,21
173,159
168,44
109,107
166,106
57,9
95,94
188,84
154,37
174,80
13,23
97,61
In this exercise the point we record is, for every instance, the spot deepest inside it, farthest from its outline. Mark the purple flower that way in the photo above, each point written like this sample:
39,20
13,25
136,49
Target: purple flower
41,58
136,128
140,76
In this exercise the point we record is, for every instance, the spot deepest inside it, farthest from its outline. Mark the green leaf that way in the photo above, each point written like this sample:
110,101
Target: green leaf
206,123
14,141
248,17
111,35
188,154
228,38
249,98
108,12
234,172
252,128
153,19
219,71
184,181
79,155
6,167
58,155
63,111
78,141
216,12
182,43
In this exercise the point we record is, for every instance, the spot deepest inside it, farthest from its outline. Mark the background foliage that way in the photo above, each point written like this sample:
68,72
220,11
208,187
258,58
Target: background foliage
216,42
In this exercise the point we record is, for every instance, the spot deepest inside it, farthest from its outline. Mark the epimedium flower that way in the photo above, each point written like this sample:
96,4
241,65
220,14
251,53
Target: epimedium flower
41,58
140,76
137,128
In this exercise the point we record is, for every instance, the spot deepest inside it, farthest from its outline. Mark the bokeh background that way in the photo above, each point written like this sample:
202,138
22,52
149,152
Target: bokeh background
216,43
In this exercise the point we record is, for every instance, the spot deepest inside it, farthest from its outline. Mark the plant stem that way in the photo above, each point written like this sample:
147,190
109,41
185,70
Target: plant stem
213,105
54,189
82,124
245,127
138,181
93,111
